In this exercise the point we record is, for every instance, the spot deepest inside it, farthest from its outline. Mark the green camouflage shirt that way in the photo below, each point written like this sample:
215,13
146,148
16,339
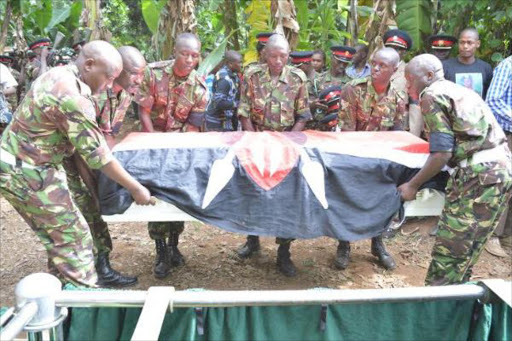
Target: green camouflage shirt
458,121
325,80
171,99
274,107
56,117
111,111
362,110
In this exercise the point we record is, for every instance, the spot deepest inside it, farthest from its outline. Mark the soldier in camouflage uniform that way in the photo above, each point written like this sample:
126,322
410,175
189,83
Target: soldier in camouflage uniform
274,97
38,66
464,135
172,98
402,42
341,57
57,117
111,108
370,104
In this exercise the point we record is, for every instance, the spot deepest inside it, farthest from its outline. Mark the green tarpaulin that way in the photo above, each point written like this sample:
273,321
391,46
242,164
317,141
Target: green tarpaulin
441,320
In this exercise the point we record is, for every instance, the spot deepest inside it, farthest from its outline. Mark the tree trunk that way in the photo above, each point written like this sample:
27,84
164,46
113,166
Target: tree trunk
5,25
353,22
285,16
231,23
176,17
380,21
91,18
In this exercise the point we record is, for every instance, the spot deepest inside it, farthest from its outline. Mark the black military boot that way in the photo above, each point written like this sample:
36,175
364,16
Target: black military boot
109,277
175,255
162,265
284,263
251,246
379,250
342,255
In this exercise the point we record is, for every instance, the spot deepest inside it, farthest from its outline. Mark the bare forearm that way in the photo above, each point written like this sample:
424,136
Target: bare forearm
299,126
145,120
434,164
247,124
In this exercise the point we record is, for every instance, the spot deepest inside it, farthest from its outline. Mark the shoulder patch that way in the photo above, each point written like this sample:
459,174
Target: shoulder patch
300,73
253,69
160,64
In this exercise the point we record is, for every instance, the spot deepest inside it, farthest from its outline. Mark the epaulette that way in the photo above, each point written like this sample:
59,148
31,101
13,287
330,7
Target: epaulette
358,81
252,69
300,73
160,64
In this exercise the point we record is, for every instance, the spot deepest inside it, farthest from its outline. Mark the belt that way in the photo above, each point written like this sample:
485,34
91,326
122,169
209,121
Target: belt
495,154
12,160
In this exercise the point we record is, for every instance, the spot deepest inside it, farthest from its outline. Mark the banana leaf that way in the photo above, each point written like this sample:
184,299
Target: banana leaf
414,17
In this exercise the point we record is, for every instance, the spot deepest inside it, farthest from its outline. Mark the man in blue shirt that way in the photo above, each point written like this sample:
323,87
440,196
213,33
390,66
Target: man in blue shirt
499,99
359,68
220,115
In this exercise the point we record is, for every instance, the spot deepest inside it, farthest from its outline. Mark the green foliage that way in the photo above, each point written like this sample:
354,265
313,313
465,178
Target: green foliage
151,12
210,23
414,17
322,23
123,18
214,57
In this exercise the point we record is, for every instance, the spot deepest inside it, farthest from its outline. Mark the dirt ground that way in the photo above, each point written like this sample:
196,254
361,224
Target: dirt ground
211,261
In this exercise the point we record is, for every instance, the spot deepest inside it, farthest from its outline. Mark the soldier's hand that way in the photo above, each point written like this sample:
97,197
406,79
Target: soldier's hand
142,196
316,104
332,123
44,52
407,191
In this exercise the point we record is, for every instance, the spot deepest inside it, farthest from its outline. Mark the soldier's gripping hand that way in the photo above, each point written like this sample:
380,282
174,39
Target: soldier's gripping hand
407,191
142,196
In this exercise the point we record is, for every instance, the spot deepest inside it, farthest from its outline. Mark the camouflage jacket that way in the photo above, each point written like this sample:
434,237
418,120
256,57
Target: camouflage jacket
362,110
172,100
56,117
325,80
458,121
111,109
274,107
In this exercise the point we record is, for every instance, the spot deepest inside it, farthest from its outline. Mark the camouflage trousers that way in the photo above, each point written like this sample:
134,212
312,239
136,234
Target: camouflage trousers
476,197
41,196
83,199
164,229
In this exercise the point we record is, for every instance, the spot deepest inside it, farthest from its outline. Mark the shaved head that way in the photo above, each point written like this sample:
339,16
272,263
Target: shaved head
277,41
131,57
384,64
425,63
187,52
422,71
388,54
99,64
472,31
276,54
232,56
187,39
133,70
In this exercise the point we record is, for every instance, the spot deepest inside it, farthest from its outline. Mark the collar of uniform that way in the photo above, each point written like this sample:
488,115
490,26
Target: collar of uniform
284,74
191,78
427,87
390,92
85,90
